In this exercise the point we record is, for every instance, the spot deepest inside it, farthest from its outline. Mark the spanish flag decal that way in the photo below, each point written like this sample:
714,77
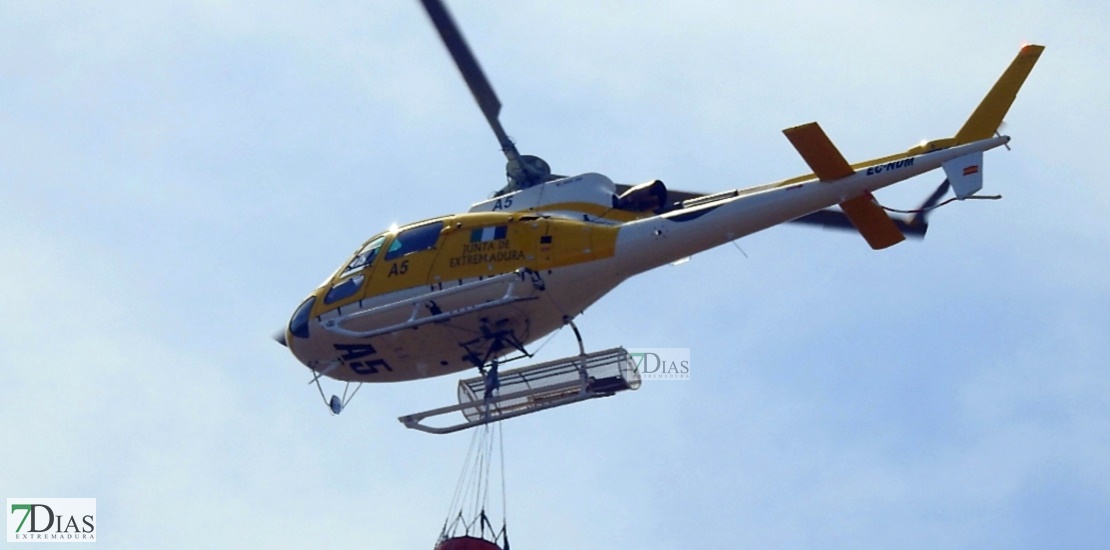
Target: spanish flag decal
973,169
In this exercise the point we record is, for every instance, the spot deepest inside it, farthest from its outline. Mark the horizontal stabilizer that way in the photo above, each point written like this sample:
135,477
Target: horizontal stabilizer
818,152
872,222
965,174
912,226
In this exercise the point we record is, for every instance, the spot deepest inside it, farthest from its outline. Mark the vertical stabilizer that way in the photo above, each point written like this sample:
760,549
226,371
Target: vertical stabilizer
987,117
965,174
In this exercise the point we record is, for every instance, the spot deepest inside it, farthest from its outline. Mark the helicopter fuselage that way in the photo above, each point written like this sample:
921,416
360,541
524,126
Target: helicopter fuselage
443,295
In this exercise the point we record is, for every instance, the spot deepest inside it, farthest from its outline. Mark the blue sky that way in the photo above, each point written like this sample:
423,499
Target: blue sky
175,177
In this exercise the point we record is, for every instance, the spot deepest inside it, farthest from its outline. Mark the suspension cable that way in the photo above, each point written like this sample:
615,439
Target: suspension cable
504,497
469,503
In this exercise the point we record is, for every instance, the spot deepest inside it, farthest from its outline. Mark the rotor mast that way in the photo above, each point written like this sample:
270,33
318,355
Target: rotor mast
522,171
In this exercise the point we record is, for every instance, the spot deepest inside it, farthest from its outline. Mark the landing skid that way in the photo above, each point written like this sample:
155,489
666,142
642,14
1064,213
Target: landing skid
534,388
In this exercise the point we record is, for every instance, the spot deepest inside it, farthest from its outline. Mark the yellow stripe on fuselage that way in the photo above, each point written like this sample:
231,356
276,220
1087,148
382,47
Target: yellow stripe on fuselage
476,245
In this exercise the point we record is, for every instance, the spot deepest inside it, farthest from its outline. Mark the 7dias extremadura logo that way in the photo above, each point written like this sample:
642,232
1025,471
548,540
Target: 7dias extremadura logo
661,363
51,519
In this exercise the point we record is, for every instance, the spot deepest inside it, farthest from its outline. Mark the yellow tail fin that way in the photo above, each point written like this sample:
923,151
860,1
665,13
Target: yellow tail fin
987,117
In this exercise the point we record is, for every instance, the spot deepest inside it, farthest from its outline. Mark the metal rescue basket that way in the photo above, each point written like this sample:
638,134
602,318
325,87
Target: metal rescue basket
535,388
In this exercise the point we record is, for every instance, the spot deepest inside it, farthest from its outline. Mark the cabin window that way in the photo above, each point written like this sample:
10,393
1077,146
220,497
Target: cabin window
416,239
343,290
298,325
366,256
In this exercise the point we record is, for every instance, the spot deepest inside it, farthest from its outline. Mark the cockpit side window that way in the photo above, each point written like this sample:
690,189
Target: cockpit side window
365,257
415,239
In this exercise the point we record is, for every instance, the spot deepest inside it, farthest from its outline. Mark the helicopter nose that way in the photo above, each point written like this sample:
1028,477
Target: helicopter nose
298,325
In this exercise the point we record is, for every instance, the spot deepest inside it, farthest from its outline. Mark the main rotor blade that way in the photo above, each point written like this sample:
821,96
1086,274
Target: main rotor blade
837,220
472,73
914,226
930,203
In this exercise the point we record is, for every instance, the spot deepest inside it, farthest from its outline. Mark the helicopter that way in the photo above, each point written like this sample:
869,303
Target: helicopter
475,289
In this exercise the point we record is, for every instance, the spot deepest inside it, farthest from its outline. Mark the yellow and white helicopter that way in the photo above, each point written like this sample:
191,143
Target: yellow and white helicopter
468,290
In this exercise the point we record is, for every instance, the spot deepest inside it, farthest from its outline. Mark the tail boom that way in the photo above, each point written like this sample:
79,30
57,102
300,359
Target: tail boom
651,242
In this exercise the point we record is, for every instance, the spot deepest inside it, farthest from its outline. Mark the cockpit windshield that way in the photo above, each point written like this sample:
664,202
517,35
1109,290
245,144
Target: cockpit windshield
365,256
414,239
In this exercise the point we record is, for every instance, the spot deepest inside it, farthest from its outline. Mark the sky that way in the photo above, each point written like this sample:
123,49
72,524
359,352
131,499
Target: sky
176,176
